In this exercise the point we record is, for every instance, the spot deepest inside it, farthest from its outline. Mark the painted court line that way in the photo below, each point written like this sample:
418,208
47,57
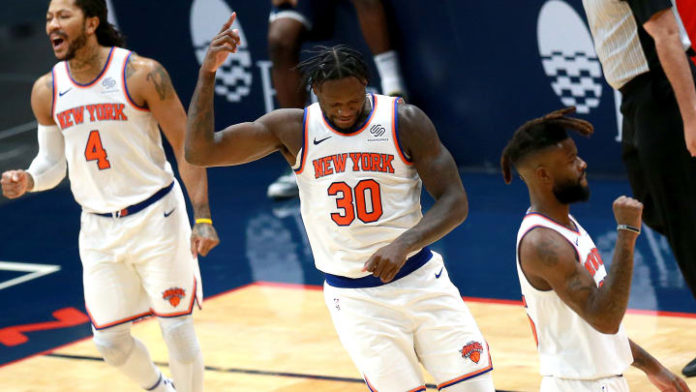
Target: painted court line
36,271
244,371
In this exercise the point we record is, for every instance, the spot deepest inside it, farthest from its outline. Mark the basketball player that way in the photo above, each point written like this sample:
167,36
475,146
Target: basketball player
574,305
98,110
359,161
293,22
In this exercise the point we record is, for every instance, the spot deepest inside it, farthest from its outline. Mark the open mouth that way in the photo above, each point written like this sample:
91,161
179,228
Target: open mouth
57,43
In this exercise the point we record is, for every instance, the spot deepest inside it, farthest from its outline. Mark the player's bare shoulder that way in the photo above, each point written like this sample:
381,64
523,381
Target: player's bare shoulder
415,130
147,79
42,95
287,125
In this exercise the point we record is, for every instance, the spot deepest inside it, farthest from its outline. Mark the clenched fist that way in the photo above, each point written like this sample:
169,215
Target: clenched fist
628,211
15,183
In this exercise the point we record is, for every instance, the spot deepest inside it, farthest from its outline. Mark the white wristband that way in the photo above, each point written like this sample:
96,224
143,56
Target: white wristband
628,228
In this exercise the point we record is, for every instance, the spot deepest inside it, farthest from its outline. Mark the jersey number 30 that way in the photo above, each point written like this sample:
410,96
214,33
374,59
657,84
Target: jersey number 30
355,202
95,151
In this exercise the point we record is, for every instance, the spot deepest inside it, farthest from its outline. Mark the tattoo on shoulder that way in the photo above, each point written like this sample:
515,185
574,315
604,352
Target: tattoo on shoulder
130,68
49,82
160,79
547,252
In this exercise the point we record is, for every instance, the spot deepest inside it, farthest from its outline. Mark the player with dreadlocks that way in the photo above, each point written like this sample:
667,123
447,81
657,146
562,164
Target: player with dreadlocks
574,305
361,160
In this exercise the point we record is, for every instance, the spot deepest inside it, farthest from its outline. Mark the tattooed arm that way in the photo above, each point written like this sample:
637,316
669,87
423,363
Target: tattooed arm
150,86
550,262
279,130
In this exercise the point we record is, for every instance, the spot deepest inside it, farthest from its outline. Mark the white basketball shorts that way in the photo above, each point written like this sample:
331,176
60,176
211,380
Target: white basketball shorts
139,264
609,384
387,330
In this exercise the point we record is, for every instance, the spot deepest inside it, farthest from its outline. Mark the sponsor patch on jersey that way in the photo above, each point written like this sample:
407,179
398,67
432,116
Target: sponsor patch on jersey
472,350
174,295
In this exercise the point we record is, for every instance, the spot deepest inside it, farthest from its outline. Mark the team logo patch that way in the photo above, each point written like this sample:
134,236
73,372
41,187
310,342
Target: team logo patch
472,350
109,82
174,295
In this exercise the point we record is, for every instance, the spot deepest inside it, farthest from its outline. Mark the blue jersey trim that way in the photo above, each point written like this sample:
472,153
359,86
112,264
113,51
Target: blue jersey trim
125,84
413,263
106,65
304,137
396,132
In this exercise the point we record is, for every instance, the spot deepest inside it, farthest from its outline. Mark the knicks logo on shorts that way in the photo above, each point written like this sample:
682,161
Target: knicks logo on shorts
472,350
174,295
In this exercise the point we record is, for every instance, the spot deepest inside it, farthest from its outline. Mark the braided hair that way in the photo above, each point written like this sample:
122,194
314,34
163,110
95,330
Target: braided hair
107,35
333,63
537,134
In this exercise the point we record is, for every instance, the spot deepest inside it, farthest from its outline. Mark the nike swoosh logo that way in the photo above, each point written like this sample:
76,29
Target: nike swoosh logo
166,214
437,275
320,140
61,93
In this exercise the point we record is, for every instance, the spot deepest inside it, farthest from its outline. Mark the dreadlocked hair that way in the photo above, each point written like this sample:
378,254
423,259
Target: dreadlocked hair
538,134
107,35
332,63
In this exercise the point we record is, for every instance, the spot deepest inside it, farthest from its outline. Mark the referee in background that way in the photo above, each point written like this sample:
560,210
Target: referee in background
644,53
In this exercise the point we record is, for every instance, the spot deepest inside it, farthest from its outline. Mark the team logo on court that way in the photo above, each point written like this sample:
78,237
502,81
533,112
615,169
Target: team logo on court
233,79
472,350
568,56
174,295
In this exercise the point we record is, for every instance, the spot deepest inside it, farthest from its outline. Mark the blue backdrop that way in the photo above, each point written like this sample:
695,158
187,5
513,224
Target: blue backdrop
479,69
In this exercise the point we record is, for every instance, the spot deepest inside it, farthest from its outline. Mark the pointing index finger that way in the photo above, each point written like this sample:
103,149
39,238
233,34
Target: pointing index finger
229,22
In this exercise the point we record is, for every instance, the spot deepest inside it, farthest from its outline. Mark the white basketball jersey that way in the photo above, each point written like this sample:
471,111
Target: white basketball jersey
569,347
358,191
112,146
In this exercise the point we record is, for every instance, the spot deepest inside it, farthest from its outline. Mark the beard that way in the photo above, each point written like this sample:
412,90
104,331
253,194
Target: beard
74,46
571,192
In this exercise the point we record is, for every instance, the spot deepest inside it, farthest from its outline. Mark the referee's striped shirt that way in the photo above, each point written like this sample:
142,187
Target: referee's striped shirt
624,48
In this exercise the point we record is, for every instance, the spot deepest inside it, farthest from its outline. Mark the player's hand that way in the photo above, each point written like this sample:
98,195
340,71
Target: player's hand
386,262
690,137
667,381
203,239
628,211
277,3
224,43
15,183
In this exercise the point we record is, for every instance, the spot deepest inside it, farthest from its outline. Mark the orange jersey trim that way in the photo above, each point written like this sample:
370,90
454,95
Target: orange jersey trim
546,218
194,299
98,78
53,103
125,87
395,134
117,322
367,122
469,375
305,138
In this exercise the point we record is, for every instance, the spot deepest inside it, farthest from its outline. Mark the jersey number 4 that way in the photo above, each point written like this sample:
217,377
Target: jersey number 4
355,202
94,151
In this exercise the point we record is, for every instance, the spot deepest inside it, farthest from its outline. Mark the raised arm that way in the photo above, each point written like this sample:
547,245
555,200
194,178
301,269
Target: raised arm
663,28
150,85
549,261
440,176
48,167
240,143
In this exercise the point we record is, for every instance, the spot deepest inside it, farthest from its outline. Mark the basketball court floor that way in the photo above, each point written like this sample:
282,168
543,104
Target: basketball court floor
264,326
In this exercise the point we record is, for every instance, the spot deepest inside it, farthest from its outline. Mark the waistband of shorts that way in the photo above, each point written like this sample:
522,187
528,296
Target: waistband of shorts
130,210
413,263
